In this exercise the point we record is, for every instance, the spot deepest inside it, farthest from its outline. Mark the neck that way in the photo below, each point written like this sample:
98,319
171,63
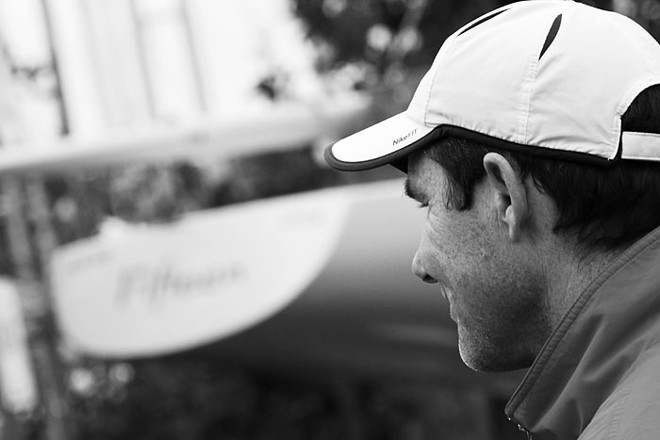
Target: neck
568,273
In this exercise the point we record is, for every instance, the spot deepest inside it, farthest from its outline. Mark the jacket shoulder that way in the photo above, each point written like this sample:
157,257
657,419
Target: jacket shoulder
632,410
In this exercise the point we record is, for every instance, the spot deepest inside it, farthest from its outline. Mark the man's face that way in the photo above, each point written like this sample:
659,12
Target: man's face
495,287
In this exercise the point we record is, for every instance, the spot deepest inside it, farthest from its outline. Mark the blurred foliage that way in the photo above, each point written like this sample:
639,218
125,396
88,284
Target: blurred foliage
191,398
364,30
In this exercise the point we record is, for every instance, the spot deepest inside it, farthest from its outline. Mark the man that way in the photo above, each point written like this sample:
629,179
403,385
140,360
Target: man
532,143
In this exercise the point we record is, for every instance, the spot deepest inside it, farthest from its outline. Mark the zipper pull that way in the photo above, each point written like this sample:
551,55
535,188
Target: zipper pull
522,429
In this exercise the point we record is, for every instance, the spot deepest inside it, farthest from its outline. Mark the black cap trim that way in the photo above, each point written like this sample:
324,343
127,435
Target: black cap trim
399,158
396,158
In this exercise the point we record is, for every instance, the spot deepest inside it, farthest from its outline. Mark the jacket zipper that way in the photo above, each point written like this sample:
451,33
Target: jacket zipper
527,433
521,428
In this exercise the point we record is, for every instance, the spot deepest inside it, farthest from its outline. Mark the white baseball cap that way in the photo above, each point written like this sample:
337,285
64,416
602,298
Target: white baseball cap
548,77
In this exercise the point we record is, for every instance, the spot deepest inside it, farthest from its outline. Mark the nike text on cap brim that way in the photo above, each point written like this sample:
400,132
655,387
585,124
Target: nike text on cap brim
548,77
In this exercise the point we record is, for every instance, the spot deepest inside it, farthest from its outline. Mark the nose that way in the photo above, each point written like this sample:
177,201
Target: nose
419,270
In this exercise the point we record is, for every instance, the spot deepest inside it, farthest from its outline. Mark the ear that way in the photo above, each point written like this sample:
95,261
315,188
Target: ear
510,193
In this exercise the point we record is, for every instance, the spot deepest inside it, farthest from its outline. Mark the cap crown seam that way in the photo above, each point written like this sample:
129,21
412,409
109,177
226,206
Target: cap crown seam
534,68
530,79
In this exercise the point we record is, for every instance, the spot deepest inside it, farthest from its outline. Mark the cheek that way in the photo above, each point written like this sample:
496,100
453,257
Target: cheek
472,262
455,249
497,291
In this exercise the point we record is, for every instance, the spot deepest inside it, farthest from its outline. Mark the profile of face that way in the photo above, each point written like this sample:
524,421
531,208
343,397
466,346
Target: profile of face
490,276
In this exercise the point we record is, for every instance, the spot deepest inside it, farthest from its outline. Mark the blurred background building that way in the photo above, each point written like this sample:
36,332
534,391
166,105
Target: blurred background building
128,124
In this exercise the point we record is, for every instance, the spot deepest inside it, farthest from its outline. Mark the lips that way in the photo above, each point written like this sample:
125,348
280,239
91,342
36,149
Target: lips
443,291
446,296
452,315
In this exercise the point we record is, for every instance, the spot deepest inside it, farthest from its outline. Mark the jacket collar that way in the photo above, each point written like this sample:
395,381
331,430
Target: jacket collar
593,347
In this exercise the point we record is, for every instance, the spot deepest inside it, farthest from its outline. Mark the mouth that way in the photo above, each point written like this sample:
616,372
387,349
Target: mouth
452,315
445,295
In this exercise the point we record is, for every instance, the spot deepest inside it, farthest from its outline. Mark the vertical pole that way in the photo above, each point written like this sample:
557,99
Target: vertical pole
59,95
54,374
29,269
20,256
194,56
144,68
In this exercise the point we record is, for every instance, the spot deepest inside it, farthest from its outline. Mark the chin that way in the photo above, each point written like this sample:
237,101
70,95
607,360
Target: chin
492,361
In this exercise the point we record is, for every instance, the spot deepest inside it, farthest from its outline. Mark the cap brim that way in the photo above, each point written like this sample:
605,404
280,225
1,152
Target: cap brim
387,142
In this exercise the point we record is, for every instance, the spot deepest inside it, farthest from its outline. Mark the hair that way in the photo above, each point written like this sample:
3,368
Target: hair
605,208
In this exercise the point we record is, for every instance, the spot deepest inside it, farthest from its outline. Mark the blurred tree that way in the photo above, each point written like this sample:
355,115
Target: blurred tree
357,31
